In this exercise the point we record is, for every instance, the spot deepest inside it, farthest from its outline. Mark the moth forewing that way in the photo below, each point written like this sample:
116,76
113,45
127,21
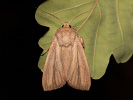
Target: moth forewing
53,70
79,76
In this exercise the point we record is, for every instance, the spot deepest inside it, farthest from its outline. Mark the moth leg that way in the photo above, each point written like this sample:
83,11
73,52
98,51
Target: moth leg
45,52
81,41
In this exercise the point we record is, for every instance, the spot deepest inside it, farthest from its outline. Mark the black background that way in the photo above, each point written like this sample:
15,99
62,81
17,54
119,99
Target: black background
20,77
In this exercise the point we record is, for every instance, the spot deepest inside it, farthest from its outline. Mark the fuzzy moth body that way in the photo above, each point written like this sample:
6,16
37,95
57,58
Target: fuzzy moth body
66,61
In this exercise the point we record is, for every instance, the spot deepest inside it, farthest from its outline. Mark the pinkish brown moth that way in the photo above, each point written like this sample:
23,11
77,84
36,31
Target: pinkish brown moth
66,61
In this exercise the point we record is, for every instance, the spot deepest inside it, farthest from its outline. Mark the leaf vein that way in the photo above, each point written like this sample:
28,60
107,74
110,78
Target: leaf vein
96,40
118,19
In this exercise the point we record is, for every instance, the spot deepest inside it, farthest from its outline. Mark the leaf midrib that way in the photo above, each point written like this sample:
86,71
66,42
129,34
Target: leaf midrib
119,24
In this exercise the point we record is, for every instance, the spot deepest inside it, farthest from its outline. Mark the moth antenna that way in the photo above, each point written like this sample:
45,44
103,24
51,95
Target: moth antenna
52,15
88,16
79,15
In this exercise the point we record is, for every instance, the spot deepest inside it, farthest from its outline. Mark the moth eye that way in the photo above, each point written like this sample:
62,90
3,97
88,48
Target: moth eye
62,25
70,26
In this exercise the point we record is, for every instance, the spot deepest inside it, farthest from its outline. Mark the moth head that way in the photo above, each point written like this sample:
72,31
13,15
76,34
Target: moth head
66,25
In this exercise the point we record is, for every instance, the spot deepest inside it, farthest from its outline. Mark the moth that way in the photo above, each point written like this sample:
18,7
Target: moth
66,61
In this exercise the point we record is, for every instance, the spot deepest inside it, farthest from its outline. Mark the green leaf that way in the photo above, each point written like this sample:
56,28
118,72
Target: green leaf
109,29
